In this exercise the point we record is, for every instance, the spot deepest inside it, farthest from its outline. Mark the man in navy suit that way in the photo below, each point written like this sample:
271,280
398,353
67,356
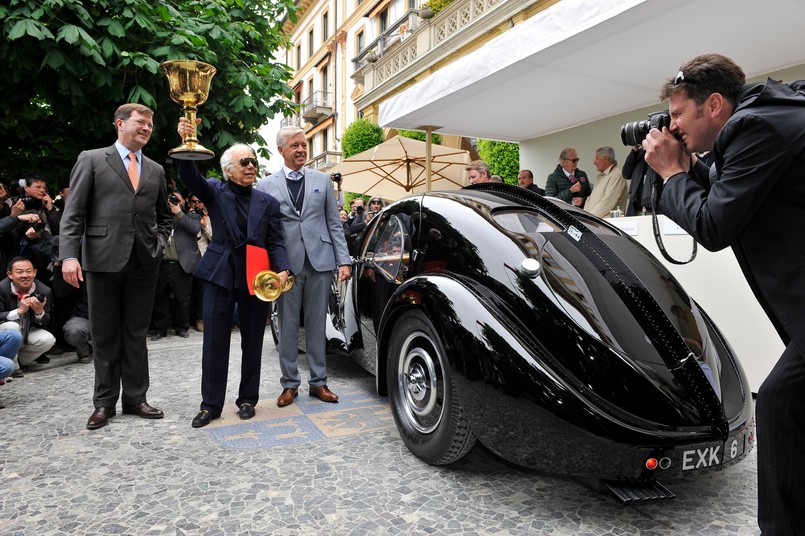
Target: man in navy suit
751,200
240,215
117,223
316,245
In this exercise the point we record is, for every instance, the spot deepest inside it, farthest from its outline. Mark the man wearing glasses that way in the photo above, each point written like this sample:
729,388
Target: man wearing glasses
240,215
751,200
568,182
117,223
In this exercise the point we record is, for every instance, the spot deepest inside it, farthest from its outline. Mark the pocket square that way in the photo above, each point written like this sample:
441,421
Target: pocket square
315,190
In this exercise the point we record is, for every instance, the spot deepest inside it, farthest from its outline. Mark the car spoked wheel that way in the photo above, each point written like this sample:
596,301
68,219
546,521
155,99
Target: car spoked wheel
423,397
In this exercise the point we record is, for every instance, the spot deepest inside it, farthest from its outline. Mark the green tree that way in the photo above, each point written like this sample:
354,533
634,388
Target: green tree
68,64
503,158
419,135
359,136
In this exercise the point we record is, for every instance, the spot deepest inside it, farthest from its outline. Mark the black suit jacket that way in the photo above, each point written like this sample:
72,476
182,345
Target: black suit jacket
9,302
752,199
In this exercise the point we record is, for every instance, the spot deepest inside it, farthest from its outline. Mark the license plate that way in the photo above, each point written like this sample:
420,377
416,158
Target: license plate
714,454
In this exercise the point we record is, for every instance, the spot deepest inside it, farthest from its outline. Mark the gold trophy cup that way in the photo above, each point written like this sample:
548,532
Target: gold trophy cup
189,83
267,285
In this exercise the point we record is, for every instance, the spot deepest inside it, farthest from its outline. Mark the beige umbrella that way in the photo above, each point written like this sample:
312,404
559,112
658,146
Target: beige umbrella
397,167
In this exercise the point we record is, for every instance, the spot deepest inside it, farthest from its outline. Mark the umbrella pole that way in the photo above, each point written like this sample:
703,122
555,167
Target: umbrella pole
428,139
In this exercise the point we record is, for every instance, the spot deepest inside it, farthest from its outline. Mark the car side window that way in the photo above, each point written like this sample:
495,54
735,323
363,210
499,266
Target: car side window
388,249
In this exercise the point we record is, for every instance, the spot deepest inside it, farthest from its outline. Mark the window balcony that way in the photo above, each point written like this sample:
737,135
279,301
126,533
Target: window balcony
324,161
317,106
293,121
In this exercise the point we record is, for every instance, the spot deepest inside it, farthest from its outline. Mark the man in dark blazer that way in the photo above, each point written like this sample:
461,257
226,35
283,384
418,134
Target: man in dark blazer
750,199
117,222
240,216
568,182
316,246
175,279
25,306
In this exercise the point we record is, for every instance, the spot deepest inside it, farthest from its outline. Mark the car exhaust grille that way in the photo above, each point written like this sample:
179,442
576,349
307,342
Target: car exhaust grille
638,490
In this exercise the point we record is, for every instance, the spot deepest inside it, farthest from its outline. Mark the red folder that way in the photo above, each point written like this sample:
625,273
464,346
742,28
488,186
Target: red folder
256,262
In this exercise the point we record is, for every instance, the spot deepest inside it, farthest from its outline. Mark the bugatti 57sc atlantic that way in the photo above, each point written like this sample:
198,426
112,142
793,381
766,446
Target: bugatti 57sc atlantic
495,315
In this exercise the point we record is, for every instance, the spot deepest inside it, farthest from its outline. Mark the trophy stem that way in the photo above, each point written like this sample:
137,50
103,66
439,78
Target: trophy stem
191,149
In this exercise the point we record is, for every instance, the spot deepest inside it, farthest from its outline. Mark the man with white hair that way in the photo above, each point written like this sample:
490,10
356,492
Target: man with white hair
610,187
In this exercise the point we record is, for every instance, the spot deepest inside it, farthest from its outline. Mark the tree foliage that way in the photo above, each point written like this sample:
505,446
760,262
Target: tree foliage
503,158
359,136
68,64
421,136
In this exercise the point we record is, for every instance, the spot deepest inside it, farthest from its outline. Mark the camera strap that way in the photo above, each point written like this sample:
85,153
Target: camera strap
655,225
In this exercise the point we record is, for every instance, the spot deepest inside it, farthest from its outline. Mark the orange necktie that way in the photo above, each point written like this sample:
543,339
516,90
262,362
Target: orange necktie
134,175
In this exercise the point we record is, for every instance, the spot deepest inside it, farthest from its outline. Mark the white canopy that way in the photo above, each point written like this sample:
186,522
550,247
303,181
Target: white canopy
583,60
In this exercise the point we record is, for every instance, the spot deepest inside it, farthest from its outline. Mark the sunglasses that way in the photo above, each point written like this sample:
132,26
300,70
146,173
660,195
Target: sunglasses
682,79
246,161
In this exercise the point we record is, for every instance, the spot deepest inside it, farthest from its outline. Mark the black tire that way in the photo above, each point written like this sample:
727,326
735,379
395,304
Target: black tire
274,314
422,394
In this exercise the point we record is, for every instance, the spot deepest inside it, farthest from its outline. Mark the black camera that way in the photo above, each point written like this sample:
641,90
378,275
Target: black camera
335,177
635,132
28,201
37,227
39,296
173,200
359,209
198,210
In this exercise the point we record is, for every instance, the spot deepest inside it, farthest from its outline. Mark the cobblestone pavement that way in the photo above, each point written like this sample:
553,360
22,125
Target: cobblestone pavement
311,468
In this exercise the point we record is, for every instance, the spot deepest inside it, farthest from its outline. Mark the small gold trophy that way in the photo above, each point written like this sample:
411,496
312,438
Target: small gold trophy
189,82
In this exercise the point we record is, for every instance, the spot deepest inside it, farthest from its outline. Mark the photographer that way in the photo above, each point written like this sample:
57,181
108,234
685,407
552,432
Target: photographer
751,200
25,307
175,279
203,239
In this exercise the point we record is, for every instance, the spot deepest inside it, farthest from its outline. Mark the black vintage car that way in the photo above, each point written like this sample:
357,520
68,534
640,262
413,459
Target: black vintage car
546,334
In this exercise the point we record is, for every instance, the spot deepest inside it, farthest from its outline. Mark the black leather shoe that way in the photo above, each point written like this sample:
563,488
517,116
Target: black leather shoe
246,411
42,359
203,418
182,333
159,335
143,410
100,417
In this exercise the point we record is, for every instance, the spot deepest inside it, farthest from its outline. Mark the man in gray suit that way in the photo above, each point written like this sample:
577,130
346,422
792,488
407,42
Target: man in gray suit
117,222
315,243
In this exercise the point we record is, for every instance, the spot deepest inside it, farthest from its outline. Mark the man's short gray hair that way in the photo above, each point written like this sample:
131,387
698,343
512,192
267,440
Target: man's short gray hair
226,158
287,132
607,152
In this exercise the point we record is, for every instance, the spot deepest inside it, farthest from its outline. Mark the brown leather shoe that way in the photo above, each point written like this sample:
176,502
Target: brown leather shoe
323,393
143,410
287,396
100,417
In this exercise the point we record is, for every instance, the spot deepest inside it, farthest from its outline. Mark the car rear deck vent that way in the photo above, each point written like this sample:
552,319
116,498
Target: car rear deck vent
530,267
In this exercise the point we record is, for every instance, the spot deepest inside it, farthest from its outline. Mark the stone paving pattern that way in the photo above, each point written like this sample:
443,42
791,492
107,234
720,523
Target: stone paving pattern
308,469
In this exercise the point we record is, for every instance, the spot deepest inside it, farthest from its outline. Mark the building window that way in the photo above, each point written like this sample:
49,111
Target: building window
412,4
325,27
310,90
360,42
384,20
324,135
298,57
310,43
325,82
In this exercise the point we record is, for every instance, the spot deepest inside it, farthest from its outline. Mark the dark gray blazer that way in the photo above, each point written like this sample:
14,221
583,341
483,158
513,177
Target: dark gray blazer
104,218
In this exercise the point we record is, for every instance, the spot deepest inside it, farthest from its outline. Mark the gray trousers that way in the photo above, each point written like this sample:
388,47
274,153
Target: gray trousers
312,289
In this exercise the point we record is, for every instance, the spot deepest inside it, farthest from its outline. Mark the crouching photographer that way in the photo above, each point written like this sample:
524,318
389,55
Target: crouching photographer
750,199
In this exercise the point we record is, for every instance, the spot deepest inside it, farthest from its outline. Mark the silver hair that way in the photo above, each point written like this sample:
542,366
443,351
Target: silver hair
226,158
287,132
607,152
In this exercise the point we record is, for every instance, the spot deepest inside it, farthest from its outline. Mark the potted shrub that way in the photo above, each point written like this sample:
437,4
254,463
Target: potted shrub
372,56
425,11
